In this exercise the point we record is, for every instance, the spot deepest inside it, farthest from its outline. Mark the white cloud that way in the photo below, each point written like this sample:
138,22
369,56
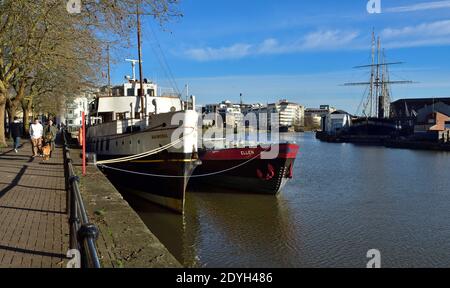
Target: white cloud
320,40
269,46
232,52
328,40
438,28
420,7
425,34
422,35
417,43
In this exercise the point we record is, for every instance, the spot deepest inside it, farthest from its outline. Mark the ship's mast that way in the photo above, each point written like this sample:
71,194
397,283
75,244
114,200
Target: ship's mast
133,68
377,101
109,73
383,89
384,100
141,80
379,83
372,75
387,92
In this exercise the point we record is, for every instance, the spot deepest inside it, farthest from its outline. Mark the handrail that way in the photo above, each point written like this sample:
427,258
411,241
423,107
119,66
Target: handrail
83,234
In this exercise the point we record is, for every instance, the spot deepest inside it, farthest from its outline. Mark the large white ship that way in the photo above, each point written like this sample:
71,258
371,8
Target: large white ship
152,150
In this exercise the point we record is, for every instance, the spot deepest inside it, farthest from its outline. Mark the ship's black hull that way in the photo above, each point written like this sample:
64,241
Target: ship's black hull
161,179
241,170
245,179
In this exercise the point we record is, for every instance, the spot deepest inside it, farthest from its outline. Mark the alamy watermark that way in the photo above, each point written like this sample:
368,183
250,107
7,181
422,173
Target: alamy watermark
375,258
75,258
374,6
233,130
73,6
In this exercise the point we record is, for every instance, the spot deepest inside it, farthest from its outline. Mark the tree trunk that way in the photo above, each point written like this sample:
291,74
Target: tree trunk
2,120
12,105
11,109
26,108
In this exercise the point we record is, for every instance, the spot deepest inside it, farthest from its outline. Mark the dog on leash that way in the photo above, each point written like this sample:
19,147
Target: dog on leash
46,150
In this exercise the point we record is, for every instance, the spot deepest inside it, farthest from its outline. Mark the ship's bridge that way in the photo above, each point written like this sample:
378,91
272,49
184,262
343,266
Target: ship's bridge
133,87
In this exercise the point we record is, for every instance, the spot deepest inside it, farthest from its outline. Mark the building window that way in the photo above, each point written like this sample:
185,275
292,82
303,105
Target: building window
151,92
120,116
130,92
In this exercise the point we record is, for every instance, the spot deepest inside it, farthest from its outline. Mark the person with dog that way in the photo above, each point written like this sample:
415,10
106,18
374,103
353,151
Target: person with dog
16,133
36,132
50,132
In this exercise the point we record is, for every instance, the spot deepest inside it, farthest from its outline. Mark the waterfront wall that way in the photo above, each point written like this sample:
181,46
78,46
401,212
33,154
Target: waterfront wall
383,140
124,240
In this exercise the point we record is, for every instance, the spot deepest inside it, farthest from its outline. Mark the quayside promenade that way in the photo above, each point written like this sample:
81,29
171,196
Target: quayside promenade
34,219
34,230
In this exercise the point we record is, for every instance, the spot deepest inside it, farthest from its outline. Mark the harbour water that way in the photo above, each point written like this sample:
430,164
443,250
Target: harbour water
344,200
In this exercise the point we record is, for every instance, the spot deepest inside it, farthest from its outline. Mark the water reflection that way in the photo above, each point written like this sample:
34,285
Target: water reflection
240,226
218,228
343,200
171,228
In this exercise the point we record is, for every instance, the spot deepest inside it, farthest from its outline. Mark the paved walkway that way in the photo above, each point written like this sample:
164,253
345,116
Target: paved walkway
34,230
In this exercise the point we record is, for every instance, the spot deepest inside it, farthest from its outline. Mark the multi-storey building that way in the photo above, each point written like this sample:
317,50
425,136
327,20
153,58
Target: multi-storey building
228,111
313,116
290,114
72,116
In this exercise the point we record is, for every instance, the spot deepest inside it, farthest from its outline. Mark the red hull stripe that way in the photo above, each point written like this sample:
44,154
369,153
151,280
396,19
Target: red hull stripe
286,151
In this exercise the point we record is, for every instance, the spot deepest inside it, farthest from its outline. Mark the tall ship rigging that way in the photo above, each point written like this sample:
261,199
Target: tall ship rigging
375,119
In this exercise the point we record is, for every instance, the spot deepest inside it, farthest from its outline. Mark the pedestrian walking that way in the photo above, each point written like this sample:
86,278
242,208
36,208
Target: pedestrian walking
50,132
36,133
16,133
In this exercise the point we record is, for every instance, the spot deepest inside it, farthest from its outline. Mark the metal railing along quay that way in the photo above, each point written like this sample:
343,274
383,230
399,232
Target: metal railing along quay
83,234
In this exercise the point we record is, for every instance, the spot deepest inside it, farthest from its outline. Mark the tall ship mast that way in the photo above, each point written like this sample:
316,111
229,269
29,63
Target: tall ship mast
377,102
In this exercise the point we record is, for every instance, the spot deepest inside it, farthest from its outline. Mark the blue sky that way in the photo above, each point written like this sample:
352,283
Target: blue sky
300,50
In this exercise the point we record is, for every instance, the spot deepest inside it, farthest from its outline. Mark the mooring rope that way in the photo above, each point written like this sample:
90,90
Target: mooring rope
192,176
145,154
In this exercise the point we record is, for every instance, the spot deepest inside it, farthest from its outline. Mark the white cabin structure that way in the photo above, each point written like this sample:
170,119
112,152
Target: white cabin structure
333,123
124,103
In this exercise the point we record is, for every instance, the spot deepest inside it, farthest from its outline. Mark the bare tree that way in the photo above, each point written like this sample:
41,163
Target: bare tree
48,55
